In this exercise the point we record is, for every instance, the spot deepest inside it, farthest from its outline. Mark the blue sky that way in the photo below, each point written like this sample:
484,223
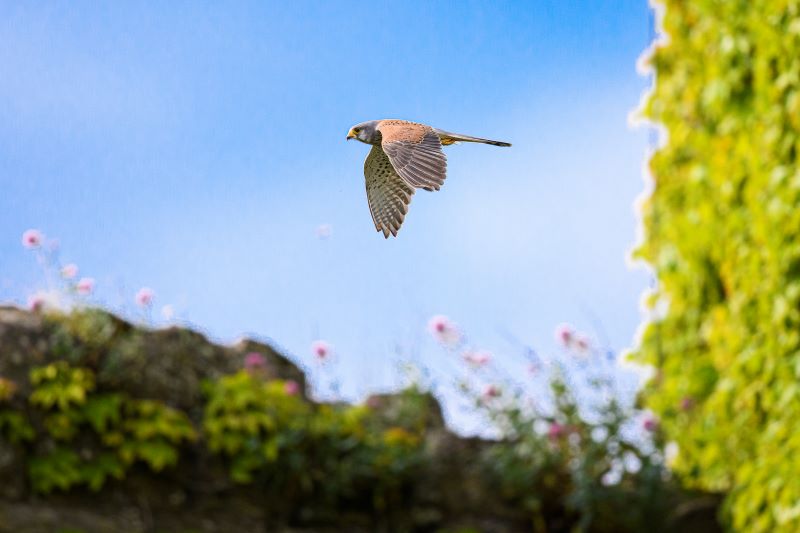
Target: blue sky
195,147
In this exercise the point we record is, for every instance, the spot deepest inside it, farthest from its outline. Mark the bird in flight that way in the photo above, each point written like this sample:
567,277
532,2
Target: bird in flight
405,156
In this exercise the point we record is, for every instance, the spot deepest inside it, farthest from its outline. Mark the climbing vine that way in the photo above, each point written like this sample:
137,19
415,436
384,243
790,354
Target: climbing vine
723,237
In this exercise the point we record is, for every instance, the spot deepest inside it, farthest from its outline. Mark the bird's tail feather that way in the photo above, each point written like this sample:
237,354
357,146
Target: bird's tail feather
450,138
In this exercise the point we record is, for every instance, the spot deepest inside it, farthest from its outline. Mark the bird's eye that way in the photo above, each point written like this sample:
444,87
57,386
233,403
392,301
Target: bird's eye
356,130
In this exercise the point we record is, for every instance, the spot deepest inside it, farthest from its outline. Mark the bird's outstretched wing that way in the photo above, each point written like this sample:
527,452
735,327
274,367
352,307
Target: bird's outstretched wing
387,193
415,151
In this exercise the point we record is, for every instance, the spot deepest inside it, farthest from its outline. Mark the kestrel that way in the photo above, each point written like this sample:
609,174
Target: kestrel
405,156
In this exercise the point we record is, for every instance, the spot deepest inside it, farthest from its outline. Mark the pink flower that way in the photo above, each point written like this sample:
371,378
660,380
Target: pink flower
85,286
568,338
69,271
491,391
32,238
582,344
291,387
444,331
321,349
254,360
36,303
324,231
476,359
650,424
687,403
144,298
556,431
565,335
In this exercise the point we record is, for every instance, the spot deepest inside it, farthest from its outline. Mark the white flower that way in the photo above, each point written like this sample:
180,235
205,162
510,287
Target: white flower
631,462
671,451
168,312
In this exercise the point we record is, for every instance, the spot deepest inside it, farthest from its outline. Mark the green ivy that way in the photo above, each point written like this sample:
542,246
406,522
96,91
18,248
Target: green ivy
15,427
333,452
265,432
250,421
723,236
123,430
59,385
152,432
59,469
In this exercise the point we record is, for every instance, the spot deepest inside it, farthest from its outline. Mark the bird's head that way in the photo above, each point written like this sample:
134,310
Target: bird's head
366,132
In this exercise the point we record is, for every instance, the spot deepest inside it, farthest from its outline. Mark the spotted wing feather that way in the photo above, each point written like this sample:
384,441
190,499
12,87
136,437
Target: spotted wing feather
387,193
415,151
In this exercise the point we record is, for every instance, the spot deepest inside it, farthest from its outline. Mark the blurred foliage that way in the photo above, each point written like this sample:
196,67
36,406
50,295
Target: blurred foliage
251,421
113,431
14,427
78,421
83,335
597,471
80,429
723,236
292,447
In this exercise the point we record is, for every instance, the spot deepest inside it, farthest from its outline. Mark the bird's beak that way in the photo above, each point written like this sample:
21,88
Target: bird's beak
351,134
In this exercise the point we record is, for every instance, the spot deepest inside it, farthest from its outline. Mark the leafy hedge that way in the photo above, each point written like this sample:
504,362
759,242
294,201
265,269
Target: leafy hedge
723,236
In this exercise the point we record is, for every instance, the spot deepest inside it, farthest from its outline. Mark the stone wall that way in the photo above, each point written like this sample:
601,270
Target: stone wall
449,493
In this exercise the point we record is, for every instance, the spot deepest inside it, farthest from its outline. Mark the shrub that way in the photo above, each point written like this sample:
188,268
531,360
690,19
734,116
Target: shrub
112,430
293,448
596,467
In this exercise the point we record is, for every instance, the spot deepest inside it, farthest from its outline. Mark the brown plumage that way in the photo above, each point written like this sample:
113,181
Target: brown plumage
404,156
